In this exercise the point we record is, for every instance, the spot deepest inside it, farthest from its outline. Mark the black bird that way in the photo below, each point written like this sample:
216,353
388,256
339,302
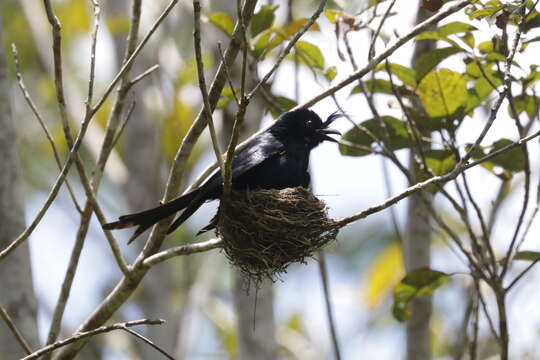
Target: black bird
276,159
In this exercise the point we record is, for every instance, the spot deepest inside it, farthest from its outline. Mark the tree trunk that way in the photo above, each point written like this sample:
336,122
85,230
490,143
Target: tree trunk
416,247
16,290
255,319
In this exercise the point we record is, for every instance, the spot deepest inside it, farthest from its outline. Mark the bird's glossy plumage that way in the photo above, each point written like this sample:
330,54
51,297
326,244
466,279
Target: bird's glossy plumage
276,159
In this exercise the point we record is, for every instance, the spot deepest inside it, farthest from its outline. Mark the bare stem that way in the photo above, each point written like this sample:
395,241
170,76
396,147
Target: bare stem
207,111
11,325
330,315
86,334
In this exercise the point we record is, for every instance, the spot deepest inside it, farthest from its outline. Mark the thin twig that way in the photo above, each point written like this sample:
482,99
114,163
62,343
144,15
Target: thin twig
371,52
127,286
240,114
148,341
330,315
39,118
187,249
432,181
82,132
227,72
59,309
289,46
386,53
129,61
202,83
142,75
11,325
85,334
353,77
124,123
507,85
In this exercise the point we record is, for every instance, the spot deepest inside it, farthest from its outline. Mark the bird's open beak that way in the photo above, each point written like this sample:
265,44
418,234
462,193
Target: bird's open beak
326,132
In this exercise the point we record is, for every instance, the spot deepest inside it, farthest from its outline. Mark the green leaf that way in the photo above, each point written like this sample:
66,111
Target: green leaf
397,134
527,255
295,323
478,94
225,98
486,46
525,103
374,86
333,15
381,86
444,31
416,283
295,26
372,3
284,102
263,19
426,62
455,27
330,73
404,73
503,165
490,9
426,122
440,162
174,127
532,78
262,43
222,21
468,39
310,54
443,92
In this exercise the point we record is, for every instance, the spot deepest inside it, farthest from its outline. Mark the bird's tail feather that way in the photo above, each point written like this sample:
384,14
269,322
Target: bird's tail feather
193,206
146,219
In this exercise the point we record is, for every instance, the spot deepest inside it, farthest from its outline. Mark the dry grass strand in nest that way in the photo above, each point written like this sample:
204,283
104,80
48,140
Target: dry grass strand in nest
266,230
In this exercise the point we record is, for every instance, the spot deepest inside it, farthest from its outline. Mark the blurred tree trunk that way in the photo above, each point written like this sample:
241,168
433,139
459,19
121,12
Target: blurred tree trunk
256,329
16,290
254,308
255,320
417,243
143,190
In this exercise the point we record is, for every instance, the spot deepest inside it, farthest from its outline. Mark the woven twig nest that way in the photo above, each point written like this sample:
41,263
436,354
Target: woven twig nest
264,231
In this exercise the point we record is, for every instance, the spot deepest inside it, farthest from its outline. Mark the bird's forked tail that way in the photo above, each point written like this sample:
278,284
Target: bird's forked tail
146,219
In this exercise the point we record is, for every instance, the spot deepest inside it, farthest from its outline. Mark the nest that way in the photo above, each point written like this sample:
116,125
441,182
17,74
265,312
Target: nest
266,230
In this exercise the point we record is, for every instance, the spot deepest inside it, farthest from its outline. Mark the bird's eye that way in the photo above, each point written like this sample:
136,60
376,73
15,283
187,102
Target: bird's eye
309,123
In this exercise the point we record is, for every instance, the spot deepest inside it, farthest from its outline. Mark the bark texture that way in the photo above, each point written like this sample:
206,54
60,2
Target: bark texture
417,243
255,316
16,289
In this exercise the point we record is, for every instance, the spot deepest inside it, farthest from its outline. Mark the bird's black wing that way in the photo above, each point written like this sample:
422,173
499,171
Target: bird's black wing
257,152
261,149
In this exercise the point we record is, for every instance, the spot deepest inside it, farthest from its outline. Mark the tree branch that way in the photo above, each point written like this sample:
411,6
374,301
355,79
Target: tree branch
11,325
87,334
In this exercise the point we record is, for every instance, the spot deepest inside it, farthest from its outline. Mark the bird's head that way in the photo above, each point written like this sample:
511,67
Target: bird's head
306,125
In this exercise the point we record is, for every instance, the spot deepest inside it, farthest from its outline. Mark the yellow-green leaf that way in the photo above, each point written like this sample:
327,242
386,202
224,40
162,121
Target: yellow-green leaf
330,73
527,255
222,21
442,92
489,9
416,283
404,73
263,19
398,137
333,15
383,274
295,26
426,62
310,54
